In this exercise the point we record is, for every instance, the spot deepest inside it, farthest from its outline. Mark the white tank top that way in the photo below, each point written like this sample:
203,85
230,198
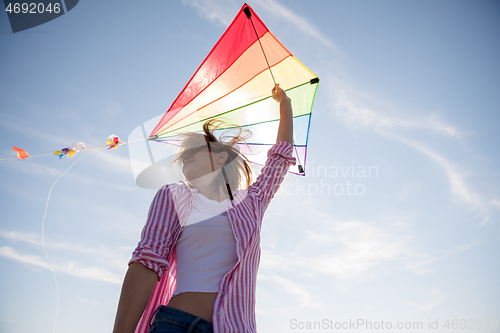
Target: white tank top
206,248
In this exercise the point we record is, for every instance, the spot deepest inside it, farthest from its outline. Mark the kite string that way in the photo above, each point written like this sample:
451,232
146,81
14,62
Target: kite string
43,243
16,158
270,71
121,143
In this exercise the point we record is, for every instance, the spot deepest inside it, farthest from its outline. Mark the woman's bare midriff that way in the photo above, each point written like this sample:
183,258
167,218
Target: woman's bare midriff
196,303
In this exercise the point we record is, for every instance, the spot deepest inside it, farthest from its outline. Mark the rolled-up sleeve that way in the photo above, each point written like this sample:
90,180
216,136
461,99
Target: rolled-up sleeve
156,242
279,159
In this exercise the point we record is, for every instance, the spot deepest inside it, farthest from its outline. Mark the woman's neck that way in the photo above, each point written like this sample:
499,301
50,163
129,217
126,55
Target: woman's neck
207,192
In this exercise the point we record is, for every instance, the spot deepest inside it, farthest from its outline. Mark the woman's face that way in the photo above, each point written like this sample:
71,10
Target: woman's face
197,165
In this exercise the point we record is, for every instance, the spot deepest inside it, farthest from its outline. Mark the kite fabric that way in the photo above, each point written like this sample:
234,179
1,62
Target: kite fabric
21,154
232,84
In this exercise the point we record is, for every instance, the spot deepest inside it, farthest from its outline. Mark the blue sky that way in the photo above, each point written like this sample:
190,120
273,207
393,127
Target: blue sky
408,91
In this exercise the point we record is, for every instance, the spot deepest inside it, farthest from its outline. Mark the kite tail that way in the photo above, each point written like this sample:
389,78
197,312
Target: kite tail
43,243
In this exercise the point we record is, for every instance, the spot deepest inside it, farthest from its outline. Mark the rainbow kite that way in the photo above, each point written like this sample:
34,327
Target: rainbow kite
233,83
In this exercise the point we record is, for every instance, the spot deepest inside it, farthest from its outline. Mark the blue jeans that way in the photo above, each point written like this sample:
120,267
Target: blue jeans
167,319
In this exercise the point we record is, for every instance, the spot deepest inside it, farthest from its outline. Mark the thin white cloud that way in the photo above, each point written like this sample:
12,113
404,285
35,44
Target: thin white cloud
434,122
224,11
219,11
353,250
460,248
436,298
348,107
69,268
113,254
108,160
84,300
16,125
495,203
14,235
346,250
297,21
304,298
112,260
10,253
420,263
31,168
456,179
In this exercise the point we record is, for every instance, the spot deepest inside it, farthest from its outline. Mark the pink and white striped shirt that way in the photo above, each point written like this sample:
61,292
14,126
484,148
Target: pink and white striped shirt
234,307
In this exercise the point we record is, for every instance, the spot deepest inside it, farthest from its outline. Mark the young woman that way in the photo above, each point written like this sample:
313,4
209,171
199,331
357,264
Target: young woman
200,248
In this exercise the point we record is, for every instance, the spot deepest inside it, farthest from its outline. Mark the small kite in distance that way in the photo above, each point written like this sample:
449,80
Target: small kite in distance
21,154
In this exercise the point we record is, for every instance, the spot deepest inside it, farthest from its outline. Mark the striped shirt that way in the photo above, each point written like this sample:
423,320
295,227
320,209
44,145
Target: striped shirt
234,307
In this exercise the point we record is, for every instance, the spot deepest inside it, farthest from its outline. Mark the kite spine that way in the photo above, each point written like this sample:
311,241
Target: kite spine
248,13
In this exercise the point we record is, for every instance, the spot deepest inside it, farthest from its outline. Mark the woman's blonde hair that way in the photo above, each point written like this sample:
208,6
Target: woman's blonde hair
238,168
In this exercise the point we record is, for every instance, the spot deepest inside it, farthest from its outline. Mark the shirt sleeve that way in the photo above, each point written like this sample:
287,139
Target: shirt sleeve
279,159
156,239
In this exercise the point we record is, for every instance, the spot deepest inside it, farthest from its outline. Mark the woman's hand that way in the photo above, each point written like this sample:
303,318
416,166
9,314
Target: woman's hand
278,94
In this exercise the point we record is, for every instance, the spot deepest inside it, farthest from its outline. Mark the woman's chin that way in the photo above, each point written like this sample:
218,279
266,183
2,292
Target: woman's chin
201,178
192,177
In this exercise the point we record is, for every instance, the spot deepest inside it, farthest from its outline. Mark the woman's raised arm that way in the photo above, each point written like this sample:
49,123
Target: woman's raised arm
285,130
